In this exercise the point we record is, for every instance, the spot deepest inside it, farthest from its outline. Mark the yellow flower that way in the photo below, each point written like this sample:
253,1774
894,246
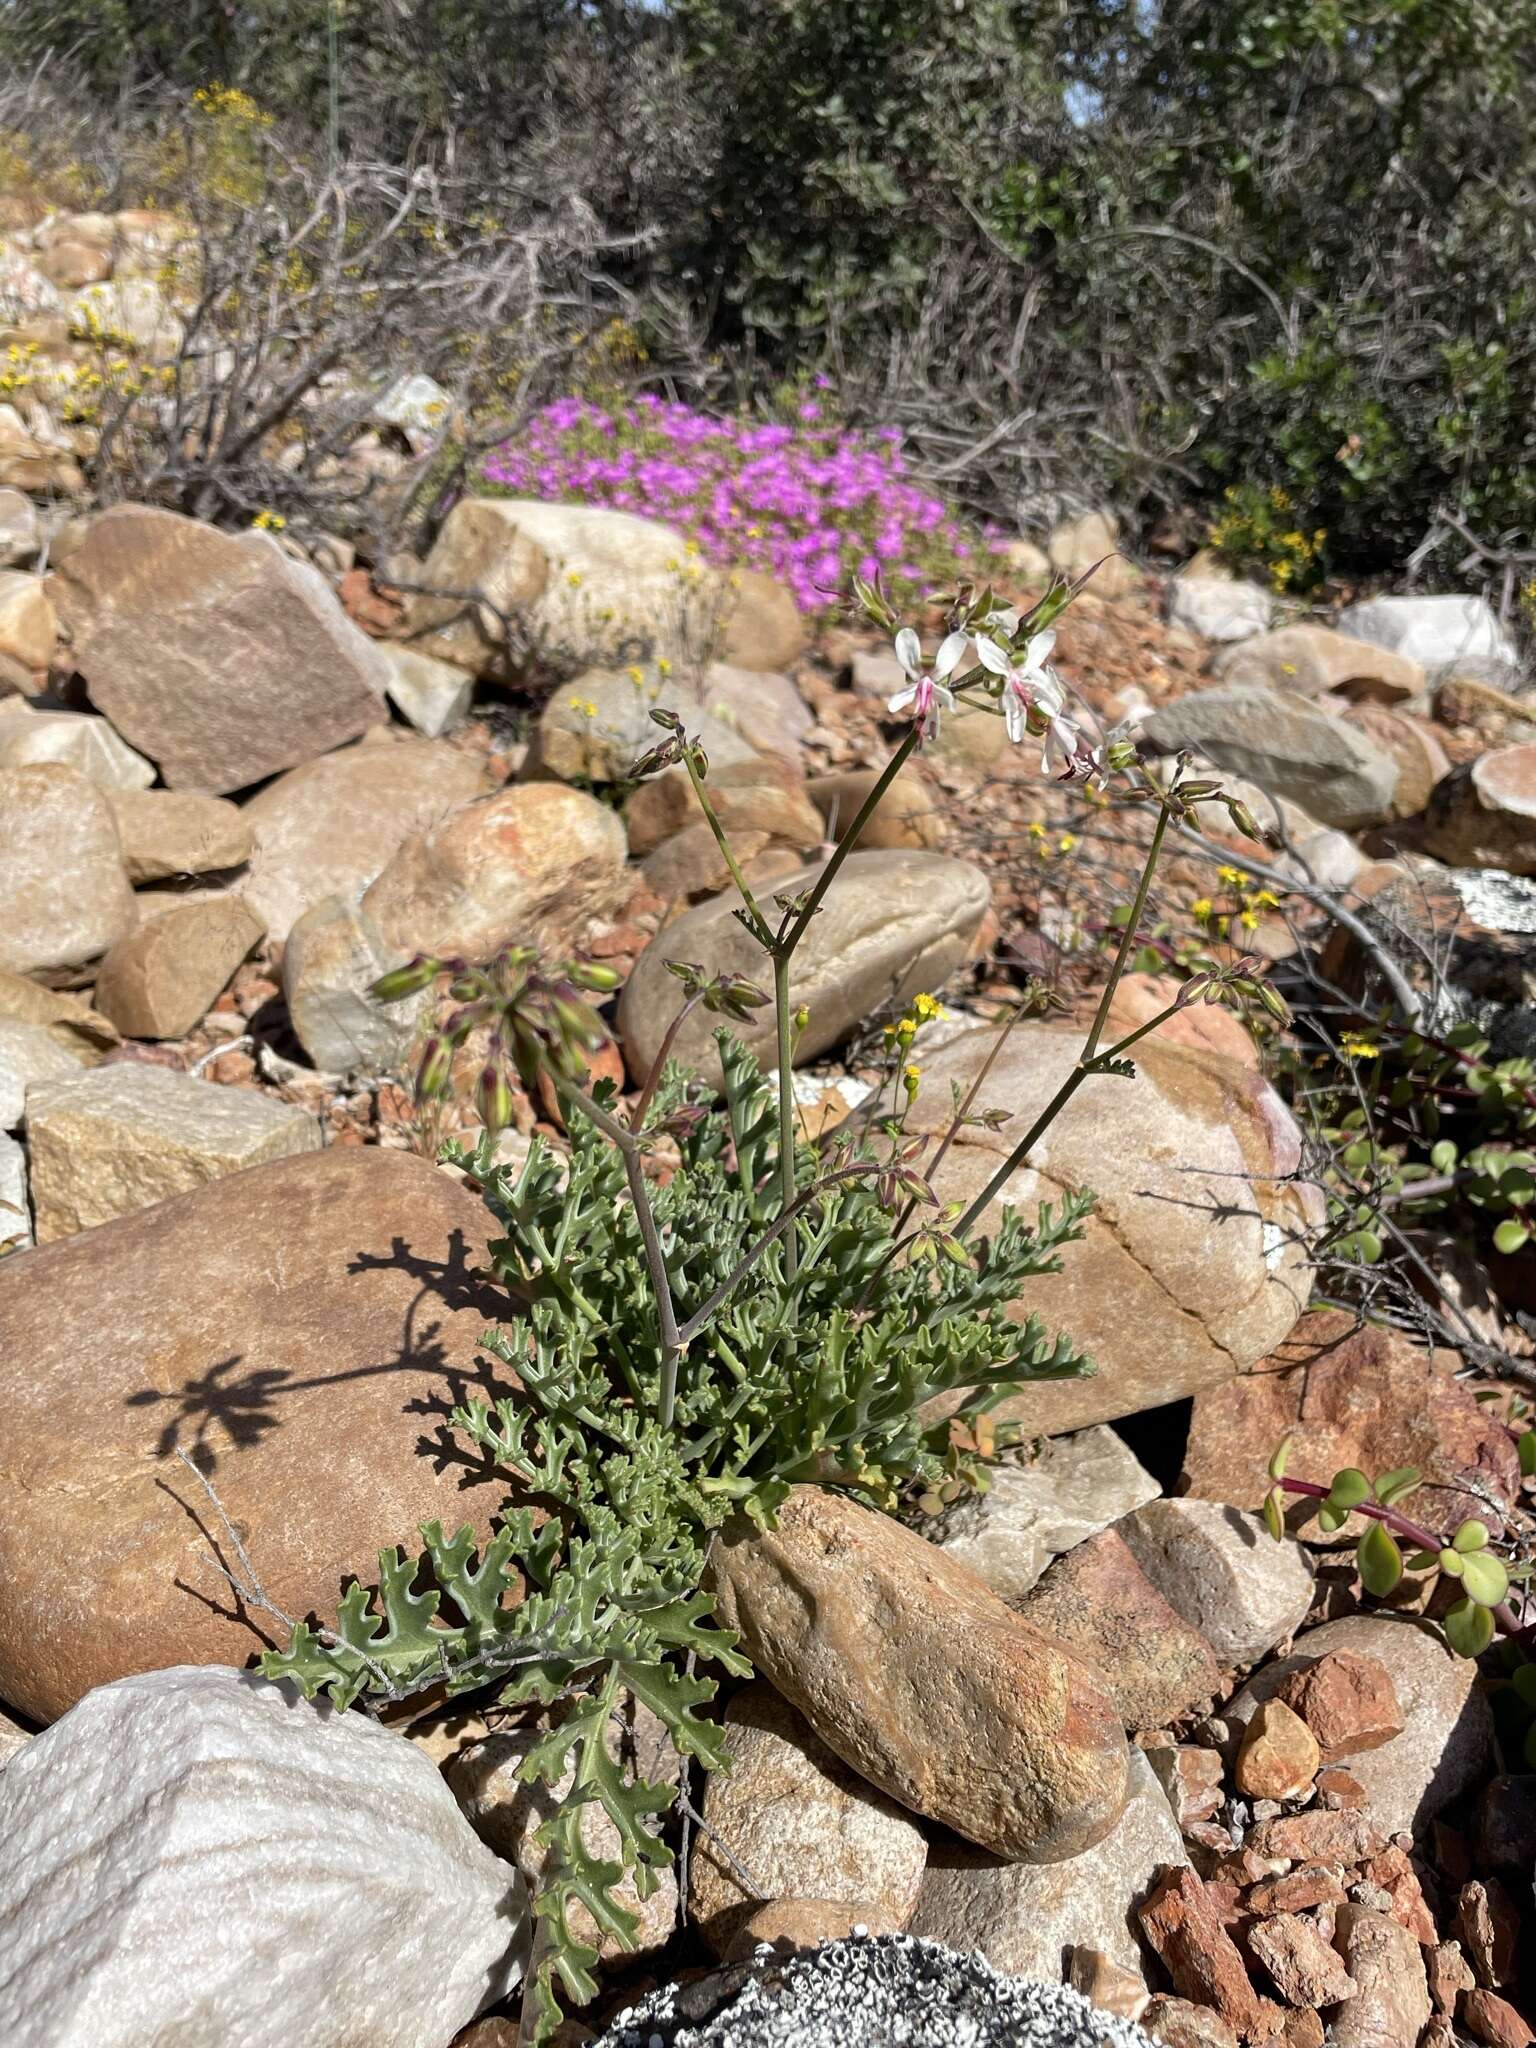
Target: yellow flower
1067,841
268,521
663,666
1234,876
636,675
573,577
1249,920
1201,907
1354,1047
927,1009
1036,830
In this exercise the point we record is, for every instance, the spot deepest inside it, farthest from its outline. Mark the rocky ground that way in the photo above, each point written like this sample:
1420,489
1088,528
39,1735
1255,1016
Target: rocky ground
1095,1725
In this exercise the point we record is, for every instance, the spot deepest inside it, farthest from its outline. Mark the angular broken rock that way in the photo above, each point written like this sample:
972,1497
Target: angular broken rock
1223,1572
162,978
1279,1756
1494,2021
1180,2023
1459,634
64,897
167,833
1153,1664
75,739
333,956
1031,1513
1483,815
1319,662
1487,1925
430,695
1390,2006
1347,1701
215,654
1183,1926
801,1822
215,1823
118,1138
1025,1916
890,925
28,1054
1193,1780
900,1658
1288,746
1304,1968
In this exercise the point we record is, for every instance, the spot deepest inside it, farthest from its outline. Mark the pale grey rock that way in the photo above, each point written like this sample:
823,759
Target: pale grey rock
1459,634
334,954
77,739
15,1210
594,728
1223,1571
1285,744
196,1856
13,1739
429,694
1026,1918
890,925
20,531
1391,2003
1220,607
118,1138
892,1992
803,1823
1034,1512
1447,1731
28,1053
64,895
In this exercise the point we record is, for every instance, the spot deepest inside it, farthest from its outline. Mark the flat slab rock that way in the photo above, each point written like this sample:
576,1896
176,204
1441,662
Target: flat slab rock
892,1992
194,1855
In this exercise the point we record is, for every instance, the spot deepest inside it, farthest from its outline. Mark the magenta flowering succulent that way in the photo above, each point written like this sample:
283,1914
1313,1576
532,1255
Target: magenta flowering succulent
809,502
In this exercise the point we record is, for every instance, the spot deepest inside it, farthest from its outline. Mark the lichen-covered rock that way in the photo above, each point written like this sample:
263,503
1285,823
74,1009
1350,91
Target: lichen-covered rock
911,1669
195,1855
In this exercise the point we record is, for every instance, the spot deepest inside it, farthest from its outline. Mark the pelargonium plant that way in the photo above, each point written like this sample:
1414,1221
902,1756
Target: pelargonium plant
690,1341
808,501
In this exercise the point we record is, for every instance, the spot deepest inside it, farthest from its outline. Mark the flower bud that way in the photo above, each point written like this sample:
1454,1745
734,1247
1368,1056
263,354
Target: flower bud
433,1074
493,1098
405,981
591,974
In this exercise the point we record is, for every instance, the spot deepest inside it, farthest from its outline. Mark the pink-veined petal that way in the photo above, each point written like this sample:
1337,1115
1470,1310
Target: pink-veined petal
992,657
902,699
951,653
1039,649
909,650
1015,715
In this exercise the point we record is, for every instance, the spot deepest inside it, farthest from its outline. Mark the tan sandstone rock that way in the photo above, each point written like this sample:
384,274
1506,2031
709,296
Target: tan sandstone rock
215,654
28,632
1484,815
64,897
161,978
167,833
290,1327
913,1671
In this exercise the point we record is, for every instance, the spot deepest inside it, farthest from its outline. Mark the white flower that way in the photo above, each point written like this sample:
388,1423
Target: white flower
926,694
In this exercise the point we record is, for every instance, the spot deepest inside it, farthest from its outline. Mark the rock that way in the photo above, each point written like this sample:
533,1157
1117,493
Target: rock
1495,2021
28,462
28,1053
127,312
800,1822
1295,1892
792,1925
1506,1822
1031,564
906,815
1100,1602
64,897
479,548
890,925
1220,607
74,738
1287,746
866,1994
1077,546
1448,1974
1393,1875
1278,1759
1183,1926
290,1327
895,1653
761,627
1459,634
331,826
1317,662
160,980
1027,1918
1303,1968
28,629
214,1823
1412,744
21,533
1483,814
68,1020
1223,1572
1203,1027
1390,2006
535,863
1178,2023
1348,1394
1317,1836
506,1814
15,1209
168,833
431,695
1193,1781
1347,1701
1031,1513
13,1739
1447,1725
1201,1221
596,727
1105,1985
1487,1925
768,798
214,654
117,1138
333,956
764,708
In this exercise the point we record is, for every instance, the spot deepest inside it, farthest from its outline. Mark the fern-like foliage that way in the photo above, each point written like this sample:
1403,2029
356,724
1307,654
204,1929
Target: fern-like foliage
591,1589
